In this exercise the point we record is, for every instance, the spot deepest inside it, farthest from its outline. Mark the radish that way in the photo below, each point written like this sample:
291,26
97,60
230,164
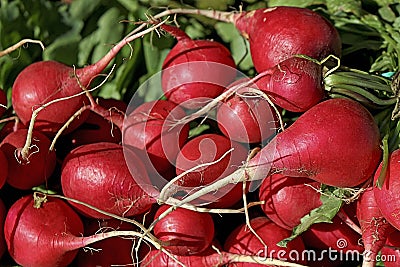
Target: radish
3,213
294,84
47,232
3,168
387,197
3,102
97,174
331,134
108,252
44,81
336,236
390,253
210,257
278,33
195,71
243,241
98,129
375,228
288,199
45,236
149,129
184,232
246,117
207,149
39,165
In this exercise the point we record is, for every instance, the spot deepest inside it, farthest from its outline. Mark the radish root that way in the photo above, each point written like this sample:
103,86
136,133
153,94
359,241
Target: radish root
19,44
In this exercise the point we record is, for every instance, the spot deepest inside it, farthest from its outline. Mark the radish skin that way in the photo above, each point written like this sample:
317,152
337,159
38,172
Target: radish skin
184,232
288,199
388,197
25,174
187,82
48,234
375,228
328,135
97,174
44,81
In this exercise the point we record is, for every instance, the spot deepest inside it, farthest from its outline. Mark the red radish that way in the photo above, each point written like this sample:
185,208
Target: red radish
294,84
243,241
210,257
3,102
97,174
288,199
321,145
331,134
108,252
336,236
195,71
374,226
42,82
45,236
278,33
3,168
41,162
388,197
246,117
211,148
390,253
184,231
47,232
149,128
3,213
98,129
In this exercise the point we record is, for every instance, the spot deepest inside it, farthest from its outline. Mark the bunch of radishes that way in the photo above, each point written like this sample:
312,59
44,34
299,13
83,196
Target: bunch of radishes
142,184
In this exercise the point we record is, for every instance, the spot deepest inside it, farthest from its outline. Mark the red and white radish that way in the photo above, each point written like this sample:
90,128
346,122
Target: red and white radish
246,117
288,199
44,236
374,226
25,174
45,81
183,231
98,175
387,197
243,241
331,134
48,232
195,71
278,33
221,156
149,128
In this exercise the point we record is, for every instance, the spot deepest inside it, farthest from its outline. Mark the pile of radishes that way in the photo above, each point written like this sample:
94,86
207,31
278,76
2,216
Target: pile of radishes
213,173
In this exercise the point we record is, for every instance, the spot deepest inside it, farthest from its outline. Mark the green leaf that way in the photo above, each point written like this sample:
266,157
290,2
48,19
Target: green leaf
82,9
387,13
323,214
296,3
239,46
